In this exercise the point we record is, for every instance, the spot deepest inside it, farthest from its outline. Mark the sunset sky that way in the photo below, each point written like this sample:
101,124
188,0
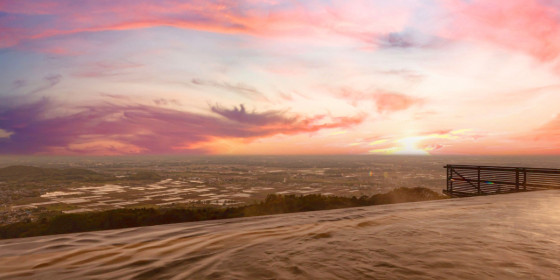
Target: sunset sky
109,77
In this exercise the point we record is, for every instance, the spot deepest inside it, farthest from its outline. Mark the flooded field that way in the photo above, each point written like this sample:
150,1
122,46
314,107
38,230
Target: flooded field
513,236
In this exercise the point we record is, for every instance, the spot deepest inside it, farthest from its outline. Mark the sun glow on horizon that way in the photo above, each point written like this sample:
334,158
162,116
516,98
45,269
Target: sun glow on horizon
409,146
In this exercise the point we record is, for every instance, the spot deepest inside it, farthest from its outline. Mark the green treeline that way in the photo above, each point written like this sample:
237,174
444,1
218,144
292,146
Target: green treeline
273,204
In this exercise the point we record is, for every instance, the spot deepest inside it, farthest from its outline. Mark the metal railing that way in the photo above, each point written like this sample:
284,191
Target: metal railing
472,180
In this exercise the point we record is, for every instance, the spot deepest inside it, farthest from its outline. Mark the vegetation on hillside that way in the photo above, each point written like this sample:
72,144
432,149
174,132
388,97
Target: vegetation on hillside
273,204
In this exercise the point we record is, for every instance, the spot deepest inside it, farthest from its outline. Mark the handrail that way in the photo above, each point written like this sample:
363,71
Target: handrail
504,168
471,180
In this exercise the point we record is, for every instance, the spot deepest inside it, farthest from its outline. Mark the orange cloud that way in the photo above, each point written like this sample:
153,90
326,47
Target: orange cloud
385,101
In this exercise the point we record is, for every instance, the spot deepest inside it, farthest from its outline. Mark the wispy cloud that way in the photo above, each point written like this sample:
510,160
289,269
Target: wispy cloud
549,132
19,83
239,88
107,68
409,39
49,82
405,74
340,18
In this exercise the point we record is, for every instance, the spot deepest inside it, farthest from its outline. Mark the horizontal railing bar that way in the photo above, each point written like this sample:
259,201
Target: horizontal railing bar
497,182
505,169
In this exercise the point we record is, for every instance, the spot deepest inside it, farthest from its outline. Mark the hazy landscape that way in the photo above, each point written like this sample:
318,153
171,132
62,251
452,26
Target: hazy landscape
74,185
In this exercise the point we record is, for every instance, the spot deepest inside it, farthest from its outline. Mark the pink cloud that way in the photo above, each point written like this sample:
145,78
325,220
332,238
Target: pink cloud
441,131
550,132
432,148
340,17
542,140
385,101
529,26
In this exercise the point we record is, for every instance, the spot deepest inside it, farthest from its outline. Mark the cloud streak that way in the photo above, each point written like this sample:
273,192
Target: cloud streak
239,88
549,133
64,17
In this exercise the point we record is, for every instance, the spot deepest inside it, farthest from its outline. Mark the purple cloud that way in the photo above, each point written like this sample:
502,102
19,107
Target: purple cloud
19,83
50,81
409,39
119,129
240,115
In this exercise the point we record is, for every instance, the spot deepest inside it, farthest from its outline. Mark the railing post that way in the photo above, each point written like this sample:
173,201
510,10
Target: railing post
447,177
451,180
517,179
524,179
478,181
